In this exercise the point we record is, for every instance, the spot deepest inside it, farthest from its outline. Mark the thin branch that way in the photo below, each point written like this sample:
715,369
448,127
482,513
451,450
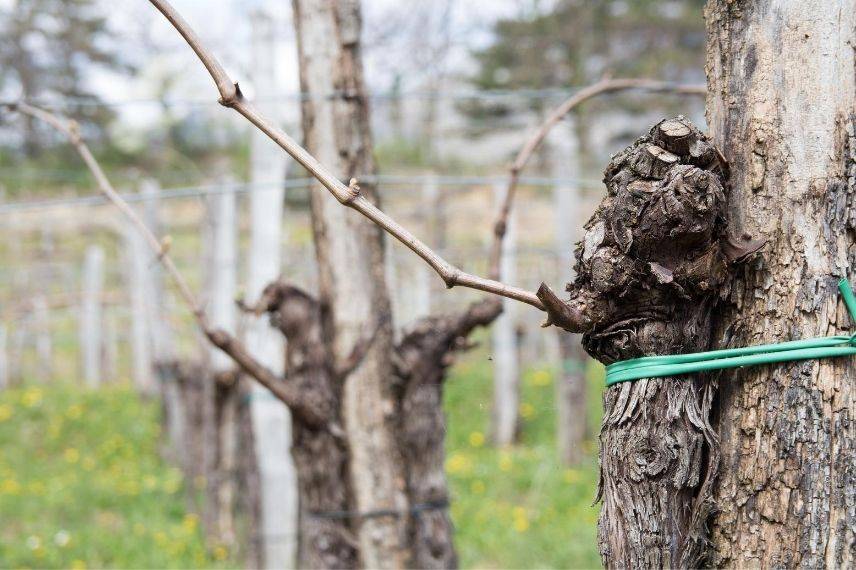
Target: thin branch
218,337
556,115
348,195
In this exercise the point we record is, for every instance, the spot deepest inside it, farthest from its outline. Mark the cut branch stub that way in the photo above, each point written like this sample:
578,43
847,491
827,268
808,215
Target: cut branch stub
656,253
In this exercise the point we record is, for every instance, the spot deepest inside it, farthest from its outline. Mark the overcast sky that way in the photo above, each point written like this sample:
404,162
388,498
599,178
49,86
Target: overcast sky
394,34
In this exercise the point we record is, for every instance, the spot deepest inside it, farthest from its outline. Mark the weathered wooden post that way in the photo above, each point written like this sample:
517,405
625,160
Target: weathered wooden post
90,317
506,366
139,280
4,357
571,382
271,419
221,396
44,344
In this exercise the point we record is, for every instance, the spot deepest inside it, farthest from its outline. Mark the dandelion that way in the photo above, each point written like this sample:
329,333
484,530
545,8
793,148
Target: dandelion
5,412
190,522
74,411
160,538
476,439
458,463
541,378
71,455
571,476
477,487
505,461
527,410
32,397
10,487
62,538
78,565
220,552
521,519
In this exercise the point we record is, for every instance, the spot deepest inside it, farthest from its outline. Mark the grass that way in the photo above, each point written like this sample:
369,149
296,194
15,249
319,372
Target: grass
82,483
518,507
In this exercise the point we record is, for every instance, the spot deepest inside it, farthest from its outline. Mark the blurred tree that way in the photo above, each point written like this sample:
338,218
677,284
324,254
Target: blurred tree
578,41
48,48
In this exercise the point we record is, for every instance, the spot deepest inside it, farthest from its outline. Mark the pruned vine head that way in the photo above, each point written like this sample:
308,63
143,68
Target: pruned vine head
656,254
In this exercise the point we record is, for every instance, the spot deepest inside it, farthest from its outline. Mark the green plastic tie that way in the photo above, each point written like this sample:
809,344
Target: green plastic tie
674,365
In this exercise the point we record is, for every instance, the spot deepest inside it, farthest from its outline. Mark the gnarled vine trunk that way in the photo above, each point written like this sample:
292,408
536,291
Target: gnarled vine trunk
653,261
782,108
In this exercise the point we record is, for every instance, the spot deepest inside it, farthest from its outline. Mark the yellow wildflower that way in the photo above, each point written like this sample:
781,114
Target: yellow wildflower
71,455
32,397
571,476
220,552
527,410
190,522
10,487
5,412
477,487
78,565
74,411
521,519
541,378
458,463
505,461
476,439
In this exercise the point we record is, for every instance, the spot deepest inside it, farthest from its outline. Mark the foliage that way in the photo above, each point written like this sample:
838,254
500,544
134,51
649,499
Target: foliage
518,507
578,41
82,484
49,48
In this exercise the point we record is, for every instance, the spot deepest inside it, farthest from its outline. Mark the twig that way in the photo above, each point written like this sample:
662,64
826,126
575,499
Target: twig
528,149
231,96
220,338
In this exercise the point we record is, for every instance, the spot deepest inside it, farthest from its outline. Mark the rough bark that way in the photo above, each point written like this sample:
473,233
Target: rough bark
781,106
349,250
422,356
330,514
653,260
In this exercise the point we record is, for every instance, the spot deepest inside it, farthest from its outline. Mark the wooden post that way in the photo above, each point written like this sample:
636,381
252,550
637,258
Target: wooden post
44,345
223,398
506,367
271,419
4,357
139,283
90,317
571,406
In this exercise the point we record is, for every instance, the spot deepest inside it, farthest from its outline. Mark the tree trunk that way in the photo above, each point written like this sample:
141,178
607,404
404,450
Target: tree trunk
271,419
781,104
353,296
650,267
571,401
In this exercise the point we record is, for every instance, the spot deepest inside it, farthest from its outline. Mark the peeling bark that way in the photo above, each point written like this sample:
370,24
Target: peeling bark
781,103
649,272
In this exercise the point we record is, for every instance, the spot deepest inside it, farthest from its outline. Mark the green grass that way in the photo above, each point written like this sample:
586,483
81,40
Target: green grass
82,484
518,507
